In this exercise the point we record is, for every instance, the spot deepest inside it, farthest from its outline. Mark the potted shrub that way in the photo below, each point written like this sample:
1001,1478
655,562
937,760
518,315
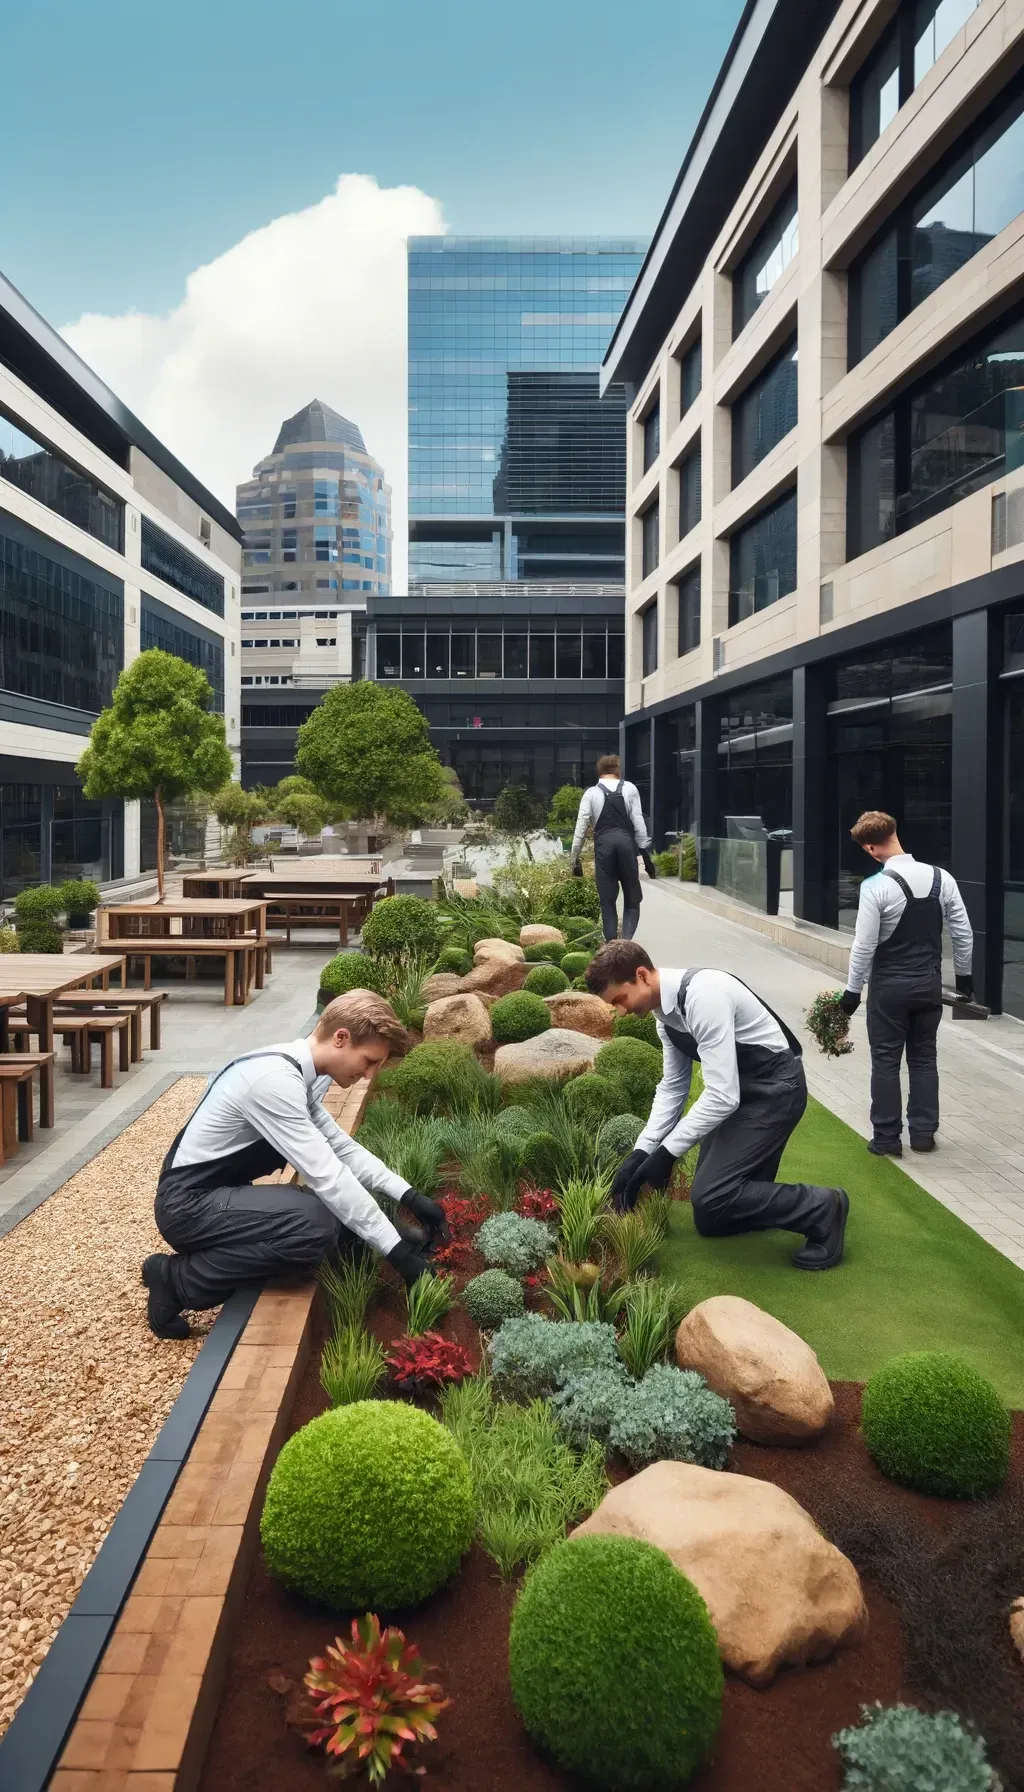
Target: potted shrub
79,897
36,911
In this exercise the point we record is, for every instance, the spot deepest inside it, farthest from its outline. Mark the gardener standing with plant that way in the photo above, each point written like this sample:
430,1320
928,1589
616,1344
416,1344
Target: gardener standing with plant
260,1112
754,1095
612,808
897,950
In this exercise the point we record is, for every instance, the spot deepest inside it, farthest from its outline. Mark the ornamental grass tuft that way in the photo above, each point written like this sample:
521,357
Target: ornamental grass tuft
933,1423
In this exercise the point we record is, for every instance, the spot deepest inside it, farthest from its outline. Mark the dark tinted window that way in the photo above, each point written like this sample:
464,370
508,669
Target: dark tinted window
166,559
50,479
616,656
689,377
649,623
412,653
762,560
767,258
900,60
916,662
689,492
689,610
389,656
649,523
765,412
275,715
61,633
652,434
156,630
542,656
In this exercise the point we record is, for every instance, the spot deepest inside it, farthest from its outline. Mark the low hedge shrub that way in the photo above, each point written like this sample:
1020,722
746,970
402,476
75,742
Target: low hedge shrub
491,1298
513,1243
672,1415
546,980
519,1016
614,1664
577,896
933,1423
402,924
352,970
635,1067
438,1077
529,1356
369,1507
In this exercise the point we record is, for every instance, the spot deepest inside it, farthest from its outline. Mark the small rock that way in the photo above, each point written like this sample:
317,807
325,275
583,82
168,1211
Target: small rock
582,1013
557,1053
1017,1626
493,977
506,950
536,934
779,1594
441,984
463,1018
769,1375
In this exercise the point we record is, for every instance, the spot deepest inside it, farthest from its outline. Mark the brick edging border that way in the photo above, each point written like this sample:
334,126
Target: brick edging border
126,1697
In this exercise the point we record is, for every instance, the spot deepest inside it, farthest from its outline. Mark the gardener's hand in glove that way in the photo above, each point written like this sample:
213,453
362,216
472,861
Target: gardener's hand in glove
624,1176
430,1215
577,868
410,1263
649,866
965,987
849,1001
654,1172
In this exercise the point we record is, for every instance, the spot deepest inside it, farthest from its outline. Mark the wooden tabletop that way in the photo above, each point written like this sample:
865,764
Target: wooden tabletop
48,973
208,906
341,881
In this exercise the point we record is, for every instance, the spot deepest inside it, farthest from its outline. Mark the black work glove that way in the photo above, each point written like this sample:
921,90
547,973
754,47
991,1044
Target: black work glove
431,1215
410,1263
624,1176
654,1172
649,866
577,868
965,986
849,1001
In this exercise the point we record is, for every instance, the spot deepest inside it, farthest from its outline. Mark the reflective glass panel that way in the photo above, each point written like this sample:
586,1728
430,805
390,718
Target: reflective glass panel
389,656
649,637
412,654
766,260
649,524
542,656
689,610
765,412
516,656
488,656
438,657
567,656
463,656
594,657
762,560
50,479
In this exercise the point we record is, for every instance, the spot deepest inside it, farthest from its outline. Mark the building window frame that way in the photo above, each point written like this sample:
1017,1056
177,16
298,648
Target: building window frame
650,425
649,639
773,250
771,563
650,547
765,412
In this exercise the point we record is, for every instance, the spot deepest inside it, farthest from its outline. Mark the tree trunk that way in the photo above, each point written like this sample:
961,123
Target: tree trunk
161,843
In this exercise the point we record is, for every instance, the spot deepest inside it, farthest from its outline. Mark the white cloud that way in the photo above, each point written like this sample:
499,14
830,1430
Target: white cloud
312,305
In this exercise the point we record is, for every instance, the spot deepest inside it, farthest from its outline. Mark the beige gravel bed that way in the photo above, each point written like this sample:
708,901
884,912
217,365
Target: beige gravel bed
84,1385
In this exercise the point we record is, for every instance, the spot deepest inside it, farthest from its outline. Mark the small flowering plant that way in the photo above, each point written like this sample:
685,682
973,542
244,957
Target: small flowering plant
428,1361
376,1700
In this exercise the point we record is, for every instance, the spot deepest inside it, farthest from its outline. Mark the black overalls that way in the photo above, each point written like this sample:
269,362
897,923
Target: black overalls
615,855
903,1013
734,1189
225,1230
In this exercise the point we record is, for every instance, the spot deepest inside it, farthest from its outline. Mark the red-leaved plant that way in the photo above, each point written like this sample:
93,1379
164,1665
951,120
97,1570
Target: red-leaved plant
456,1256
538,1204
428,1361
376,1698
464,1211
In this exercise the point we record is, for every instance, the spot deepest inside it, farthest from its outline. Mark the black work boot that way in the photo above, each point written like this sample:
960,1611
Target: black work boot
924,1142
163,1312
825,1250
878,1148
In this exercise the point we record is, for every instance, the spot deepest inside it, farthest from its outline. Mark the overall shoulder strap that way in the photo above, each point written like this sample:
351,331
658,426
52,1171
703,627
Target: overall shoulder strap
789,1036
246,1058
904,886
936,883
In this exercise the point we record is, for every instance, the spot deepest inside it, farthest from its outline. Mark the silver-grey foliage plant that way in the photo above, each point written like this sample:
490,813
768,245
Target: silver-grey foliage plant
530,1356
673,1414
513,1243
897,1748
588,1402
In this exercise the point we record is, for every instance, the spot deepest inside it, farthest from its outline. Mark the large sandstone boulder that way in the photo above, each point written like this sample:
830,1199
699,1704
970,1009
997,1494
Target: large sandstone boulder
441,984
505,950
771,1377
464,1018
557,1053
778,1593
494,977
581,1013
536,934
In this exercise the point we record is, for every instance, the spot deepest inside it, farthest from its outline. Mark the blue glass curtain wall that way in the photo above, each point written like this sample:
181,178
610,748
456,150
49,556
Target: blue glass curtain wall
61,632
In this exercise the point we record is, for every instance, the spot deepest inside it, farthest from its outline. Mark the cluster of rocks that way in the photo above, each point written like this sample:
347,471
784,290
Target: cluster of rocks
458,1008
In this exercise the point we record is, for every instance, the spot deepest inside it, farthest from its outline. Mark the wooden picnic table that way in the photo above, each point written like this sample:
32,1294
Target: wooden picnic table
40,977
315,909
223,884
295,881
213,918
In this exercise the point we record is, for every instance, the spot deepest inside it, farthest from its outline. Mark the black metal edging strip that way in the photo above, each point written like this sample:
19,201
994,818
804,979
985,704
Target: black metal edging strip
33,1745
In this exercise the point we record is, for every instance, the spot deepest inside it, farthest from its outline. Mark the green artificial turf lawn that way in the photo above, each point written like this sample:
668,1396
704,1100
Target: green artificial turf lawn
914,1276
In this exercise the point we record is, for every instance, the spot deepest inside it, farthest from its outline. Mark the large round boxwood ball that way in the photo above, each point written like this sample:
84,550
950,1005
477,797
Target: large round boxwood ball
369,1507
546,980
614,1663
932,1422
519,1016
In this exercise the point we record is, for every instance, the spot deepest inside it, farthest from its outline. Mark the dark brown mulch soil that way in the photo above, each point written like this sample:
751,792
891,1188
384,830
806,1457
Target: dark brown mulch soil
778,1740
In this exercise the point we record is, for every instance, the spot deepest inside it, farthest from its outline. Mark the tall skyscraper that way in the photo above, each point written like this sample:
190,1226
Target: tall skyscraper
511,637
317,546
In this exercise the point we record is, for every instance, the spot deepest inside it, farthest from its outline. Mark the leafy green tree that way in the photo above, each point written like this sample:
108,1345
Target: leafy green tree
295,802
366,750
517,813
160,738
242,810
565,805
451,810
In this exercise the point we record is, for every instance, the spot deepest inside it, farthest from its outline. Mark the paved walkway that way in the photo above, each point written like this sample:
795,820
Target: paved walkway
978,1168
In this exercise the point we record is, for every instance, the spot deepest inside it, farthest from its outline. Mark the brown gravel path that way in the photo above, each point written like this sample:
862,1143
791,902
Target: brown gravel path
84,1386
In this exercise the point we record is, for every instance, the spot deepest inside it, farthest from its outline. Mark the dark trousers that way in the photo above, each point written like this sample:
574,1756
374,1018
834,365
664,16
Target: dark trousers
225,1237
900,1021
735,1189
614,864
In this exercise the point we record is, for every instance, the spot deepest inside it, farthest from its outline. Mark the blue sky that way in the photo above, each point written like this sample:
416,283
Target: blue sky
144,138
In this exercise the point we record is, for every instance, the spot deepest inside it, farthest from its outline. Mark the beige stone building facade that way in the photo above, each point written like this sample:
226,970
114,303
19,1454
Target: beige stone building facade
824,353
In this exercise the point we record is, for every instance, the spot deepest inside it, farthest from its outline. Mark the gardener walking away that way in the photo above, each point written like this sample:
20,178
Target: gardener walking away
612,808
898,948
754,1095
259,1113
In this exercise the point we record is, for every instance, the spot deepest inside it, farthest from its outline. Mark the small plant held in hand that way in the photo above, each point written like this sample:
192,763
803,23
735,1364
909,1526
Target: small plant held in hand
427,1301
351,1366
428,1361
375,1696
827,1023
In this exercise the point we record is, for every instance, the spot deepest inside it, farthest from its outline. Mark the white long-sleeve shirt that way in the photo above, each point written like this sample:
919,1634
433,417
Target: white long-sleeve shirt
265,1097
721,1013
591,805
881,904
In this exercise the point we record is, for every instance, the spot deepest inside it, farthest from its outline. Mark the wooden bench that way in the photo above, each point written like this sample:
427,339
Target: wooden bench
314,911
16,1072
239,957
134,1002
78,1031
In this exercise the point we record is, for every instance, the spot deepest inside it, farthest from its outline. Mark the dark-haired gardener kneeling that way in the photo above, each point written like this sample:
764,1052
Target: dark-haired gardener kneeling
754,1094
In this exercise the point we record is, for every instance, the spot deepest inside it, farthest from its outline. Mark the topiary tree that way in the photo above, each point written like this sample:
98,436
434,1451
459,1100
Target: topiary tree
519,1016
516,814
352,970
400,925
897,1748
369,1507
635,1068
565,806
366,751
241,810
160,738
618,1698
546,980
932,1422
491,1298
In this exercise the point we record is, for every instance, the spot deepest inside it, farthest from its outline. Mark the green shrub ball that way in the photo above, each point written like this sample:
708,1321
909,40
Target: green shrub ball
933,1423
351,970
637,1026
491,1298
614,1664
369,1508
575,963
592,1098
545,952
399,924
519,1016
577,896
546,980
455,960
635,1067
